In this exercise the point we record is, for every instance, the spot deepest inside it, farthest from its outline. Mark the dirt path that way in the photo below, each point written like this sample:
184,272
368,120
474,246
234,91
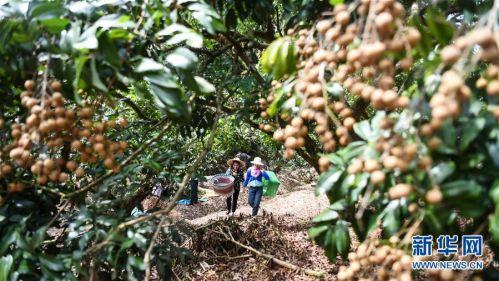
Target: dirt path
301,204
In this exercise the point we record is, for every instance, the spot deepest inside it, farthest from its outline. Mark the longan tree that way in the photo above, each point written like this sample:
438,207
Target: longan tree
405,104
90,93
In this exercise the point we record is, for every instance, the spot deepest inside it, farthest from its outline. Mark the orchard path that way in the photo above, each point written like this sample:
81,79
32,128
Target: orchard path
298,201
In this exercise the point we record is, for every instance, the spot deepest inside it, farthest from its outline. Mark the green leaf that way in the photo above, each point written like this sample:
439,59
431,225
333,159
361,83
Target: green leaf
114,21
87,40
9,236
471,129
494,193
148,65
328,180
440,28
364,131
335,2
169,100
461,189
342,238
54,25
330,247
51,263
45,10
315,231
204,86
182,58
5,265
80,63
279,58
95,77
441,171
326,215
493,149
448,136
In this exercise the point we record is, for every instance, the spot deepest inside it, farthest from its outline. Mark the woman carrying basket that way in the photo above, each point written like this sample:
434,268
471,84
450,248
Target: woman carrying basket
253,180
236,167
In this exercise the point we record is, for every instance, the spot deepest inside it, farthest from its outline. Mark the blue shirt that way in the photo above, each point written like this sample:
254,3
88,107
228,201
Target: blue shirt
254,181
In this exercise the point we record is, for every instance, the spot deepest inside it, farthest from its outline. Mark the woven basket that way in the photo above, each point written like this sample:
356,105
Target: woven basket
222,184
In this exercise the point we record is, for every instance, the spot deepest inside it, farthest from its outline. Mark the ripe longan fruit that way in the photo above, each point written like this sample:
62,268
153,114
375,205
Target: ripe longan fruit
123,122
49,163
76,145
79,172
413,207
71,165
400,190
6,169
323,26
390,162
29,85
297,122
63,177
279,135
371,165
450,54
85,133
330,145
56,86
291,142
493,88
434,143
85,112
434,196
108,163
54,175
349,122
377,177
323,164
355,166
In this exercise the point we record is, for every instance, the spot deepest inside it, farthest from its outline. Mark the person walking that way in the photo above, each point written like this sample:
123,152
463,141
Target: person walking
253,181
236,167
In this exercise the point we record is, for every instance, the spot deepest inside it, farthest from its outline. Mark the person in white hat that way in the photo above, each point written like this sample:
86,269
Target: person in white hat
236,167
253,181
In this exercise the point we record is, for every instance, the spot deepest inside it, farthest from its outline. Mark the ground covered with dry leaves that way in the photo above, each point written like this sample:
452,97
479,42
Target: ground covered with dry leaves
216,258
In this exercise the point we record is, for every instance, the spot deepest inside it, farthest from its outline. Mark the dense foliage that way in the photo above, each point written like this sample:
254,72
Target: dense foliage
396,104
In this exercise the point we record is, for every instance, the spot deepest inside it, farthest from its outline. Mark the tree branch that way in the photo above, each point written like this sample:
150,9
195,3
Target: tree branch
147,256
133,105
240,52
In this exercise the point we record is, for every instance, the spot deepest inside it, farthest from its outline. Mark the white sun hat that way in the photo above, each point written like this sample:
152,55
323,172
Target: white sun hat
258,161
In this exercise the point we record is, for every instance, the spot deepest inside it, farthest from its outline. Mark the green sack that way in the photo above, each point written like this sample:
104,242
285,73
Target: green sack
271,185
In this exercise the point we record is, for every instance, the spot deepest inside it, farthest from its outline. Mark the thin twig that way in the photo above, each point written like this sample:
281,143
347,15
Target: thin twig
57,214
147,255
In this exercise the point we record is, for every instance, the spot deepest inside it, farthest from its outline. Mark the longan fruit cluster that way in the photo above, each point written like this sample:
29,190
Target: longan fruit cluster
372,261
367,69
293,136
54,139
397,154
446,103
